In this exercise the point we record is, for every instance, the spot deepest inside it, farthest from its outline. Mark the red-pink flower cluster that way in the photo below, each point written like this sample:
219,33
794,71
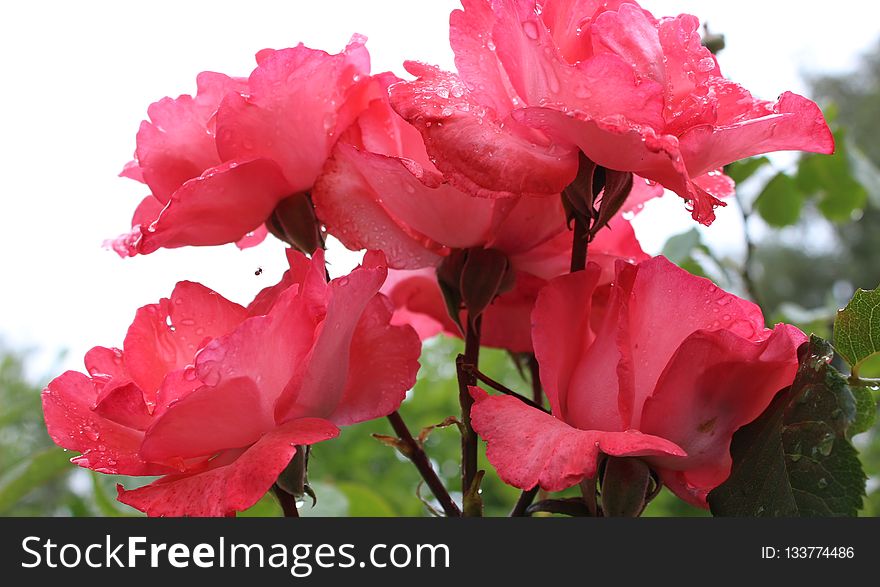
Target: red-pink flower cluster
216,397
637,357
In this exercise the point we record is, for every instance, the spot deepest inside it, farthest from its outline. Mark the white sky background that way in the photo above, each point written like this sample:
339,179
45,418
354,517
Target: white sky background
77,78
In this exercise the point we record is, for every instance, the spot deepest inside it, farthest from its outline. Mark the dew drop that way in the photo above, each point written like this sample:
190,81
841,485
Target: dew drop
823,483
189,373
329,122
706,64
211,378
825,445
530,29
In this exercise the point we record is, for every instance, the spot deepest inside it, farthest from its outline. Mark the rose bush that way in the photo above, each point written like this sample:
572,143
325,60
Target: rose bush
381,190
662,365
216,397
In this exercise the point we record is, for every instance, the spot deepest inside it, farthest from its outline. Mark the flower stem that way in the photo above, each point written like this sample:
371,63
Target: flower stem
747,270
502,388
525,500
537,391
418,457
466,366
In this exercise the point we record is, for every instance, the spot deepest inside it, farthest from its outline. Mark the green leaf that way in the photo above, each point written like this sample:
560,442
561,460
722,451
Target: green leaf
857,328
866,410
796,459
39,469
679,247
832,179
739,171
780,203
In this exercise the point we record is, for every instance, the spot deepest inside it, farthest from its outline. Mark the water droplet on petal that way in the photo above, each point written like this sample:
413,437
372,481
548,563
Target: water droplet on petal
530,29
189,373
706,64
211,378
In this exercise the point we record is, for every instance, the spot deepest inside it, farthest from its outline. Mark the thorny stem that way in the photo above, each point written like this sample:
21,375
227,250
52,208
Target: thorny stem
500,387
287,501
522,504
466,365
417,455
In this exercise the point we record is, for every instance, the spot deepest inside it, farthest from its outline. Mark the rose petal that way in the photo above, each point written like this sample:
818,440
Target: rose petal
221,206
560,329
253,238
106,446
383,363
463,136
164,337
236,481
317,387
176,146
661,290
295,109
529,447
348,198
700,409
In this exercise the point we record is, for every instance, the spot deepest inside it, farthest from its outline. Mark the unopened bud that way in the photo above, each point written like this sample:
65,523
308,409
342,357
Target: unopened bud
625,487
294,222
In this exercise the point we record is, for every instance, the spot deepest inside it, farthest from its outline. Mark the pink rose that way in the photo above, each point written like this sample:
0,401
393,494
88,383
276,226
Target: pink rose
216,397
218,164
418,300
663,366
539,81
381,190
